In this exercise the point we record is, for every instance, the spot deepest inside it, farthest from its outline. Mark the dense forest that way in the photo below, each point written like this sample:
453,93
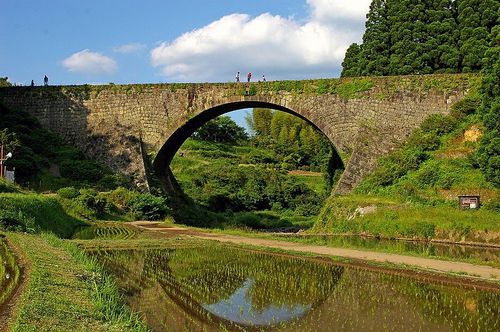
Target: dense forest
405,37
438,36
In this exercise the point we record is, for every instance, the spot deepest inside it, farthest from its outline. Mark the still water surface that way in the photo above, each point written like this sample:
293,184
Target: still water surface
217,288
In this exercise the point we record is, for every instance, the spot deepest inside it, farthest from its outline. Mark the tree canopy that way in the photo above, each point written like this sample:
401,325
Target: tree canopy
422,37
221,130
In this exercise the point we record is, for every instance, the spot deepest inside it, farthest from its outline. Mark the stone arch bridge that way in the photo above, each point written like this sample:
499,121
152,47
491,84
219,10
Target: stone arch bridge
136,129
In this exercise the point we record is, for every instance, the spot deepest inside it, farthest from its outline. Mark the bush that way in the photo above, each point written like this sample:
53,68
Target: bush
149,207
465,107
122,198
82,170
113,181
68,192
90,205
438,124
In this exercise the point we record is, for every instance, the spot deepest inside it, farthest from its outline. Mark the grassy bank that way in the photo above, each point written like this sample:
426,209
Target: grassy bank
386,217
67,291
41,211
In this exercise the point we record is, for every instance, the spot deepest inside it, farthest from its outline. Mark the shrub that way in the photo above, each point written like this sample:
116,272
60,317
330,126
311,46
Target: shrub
90,205
149,207
113,181
122,198
465,107
68,192
82,170
438,124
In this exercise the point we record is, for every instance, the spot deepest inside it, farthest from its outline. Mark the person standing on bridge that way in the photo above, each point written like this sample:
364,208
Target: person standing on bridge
263,78
45,80
238,77
32,83
249,77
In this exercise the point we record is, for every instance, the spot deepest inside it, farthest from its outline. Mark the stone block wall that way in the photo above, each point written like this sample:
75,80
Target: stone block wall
119,124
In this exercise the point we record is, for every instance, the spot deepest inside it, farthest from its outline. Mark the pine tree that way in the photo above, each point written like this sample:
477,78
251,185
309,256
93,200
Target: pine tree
476,19
351,63
376,40
442,42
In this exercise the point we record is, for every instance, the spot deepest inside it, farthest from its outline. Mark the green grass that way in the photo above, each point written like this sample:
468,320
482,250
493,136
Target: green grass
394,219
316,183
68,291
7,187
9,270
48,213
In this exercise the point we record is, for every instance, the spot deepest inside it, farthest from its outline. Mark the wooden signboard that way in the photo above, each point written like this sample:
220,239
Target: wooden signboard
469,202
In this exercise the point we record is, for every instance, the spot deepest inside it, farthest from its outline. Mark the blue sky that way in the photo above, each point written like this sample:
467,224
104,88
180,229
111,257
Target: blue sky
149,41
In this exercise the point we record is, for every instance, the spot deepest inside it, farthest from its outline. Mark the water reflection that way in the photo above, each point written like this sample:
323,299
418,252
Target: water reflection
421,248
217,288
239,308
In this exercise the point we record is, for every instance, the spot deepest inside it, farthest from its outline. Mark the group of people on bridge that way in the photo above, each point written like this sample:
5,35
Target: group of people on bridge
45,81
249,77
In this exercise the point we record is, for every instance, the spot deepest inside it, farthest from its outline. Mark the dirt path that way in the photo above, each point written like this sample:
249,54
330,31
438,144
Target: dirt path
486,272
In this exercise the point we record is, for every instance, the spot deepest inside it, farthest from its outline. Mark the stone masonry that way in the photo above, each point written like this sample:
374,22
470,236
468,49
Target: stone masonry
135,129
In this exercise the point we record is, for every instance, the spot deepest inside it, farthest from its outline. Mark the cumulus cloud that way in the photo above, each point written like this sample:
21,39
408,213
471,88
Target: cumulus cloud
88,62
129,48
327,10
281,48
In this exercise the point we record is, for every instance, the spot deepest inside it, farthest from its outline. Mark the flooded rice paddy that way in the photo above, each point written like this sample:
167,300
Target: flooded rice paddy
215,287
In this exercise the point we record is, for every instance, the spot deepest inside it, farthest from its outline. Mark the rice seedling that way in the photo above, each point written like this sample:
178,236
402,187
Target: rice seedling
215,287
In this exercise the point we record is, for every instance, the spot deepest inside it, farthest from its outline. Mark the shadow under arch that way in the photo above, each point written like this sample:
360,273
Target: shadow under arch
161,163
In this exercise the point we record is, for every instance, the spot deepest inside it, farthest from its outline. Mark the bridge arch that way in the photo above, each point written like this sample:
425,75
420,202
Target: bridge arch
166,153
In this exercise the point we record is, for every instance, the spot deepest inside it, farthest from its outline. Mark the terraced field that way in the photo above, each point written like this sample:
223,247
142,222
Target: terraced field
9,271
101,231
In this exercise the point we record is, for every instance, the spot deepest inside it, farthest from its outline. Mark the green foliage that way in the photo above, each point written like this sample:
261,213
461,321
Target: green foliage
36,149
421,37
410,156
221,130
83,170
149,207
7,187
220,187
4,82
68,192
488,154
17,221
47,212
465,107
122,198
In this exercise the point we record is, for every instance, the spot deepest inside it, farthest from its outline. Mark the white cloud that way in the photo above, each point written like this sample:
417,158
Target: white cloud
88,62
129,48
281,48
327,10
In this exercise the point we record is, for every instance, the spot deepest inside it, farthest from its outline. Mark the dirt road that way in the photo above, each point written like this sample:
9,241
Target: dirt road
486,272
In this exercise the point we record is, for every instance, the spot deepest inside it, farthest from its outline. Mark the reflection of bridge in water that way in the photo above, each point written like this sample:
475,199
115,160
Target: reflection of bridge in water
206,288
131,127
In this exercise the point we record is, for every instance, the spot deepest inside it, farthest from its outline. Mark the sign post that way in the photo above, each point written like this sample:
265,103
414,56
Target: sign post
469,202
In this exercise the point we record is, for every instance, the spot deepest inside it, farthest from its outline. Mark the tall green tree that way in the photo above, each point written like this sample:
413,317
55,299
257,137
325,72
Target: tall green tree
351,66
476,20
488,154
374,56
221,130
442,36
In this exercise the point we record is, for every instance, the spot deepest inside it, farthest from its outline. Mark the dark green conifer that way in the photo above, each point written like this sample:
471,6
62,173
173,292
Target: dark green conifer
351,65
